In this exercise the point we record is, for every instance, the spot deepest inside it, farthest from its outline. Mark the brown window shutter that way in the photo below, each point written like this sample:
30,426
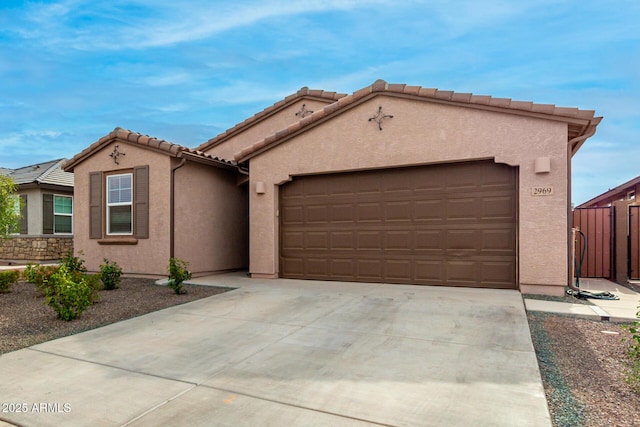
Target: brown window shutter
95,205
24,219
47,214
141,202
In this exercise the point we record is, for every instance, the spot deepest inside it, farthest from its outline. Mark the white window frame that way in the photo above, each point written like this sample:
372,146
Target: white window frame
109,205
62,214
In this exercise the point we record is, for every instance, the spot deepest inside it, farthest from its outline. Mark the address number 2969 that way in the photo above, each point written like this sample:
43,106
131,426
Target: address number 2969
542,191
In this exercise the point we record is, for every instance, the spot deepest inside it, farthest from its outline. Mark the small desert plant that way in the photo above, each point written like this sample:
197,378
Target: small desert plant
110,273
178,273
633,353
7,279
69,297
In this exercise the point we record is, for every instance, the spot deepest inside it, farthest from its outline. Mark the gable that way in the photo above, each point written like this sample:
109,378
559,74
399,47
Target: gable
579,124
271,119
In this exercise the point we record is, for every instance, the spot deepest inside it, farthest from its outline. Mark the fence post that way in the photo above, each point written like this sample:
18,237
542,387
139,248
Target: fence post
621,233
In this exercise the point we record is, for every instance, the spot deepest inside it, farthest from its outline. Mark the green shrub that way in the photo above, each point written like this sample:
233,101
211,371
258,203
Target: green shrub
7,279
74,263
633,352
110,273
40,275
68,297
178,273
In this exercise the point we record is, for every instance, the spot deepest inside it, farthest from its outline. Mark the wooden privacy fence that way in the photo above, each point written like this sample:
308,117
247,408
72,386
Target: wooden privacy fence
597,225
634,242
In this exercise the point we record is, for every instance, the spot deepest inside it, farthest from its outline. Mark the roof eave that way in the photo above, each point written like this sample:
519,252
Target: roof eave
584,126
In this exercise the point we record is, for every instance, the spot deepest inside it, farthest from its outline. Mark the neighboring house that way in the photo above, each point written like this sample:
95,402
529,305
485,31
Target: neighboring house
393,183
610,238
626,192
46,224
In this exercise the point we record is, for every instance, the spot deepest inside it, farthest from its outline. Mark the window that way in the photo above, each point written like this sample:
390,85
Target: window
62,214
120,204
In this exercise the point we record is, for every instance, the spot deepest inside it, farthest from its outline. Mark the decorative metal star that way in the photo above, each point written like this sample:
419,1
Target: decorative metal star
116,155
304,112
379,117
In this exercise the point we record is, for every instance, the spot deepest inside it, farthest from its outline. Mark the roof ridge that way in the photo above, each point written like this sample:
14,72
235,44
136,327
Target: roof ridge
256,118
50,170
154,143
382,86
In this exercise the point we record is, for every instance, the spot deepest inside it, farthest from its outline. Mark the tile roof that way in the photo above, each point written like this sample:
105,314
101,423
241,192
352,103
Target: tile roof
148,142
41,173
303,93
612,194
581,123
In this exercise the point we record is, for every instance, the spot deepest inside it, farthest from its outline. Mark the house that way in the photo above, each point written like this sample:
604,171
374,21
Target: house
46,224
392,183
609,226
626,192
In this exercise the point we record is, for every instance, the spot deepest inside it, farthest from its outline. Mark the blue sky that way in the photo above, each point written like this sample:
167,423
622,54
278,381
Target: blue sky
184,71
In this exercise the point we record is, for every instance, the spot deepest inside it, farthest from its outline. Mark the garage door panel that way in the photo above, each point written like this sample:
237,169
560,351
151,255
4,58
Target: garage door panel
368,183
497,274
342,240
449,224
293,266
398,211
316,187
401,240
342,268
370,212
430,210
462,272
317,240
342,213
462,240
462,209
398,270
317,266
293,240
498,208
317,214
430,240
429,272
369,269
293,215
497,241
369,240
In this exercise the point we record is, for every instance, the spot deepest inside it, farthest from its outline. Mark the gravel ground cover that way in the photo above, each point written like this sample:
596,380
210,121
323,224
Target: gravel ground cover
582,362
26,320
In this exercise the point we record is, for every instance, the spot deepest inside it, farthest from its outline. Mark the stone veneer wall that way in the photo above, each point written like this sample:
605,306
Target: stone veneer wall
35,248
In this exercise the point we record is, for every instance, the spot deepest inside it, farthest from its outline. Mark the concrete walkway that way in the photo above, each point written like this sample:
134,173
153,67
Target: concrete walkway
622,310
291,353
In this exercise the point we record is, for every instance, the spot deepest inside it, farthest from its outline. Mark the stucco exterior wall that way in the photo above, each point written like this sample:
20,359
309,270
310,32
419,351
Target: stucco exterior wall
423,133
148,256
211,219
272,124
34,210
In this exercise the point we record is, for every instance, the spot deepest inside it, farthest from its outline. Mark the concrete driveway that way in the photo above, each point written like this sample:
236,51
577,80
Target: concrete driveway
291,353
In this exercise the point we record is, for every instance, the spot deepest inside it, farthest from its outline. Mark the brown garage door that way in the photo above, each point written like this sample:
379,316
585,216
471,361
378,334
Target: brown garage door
452,224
